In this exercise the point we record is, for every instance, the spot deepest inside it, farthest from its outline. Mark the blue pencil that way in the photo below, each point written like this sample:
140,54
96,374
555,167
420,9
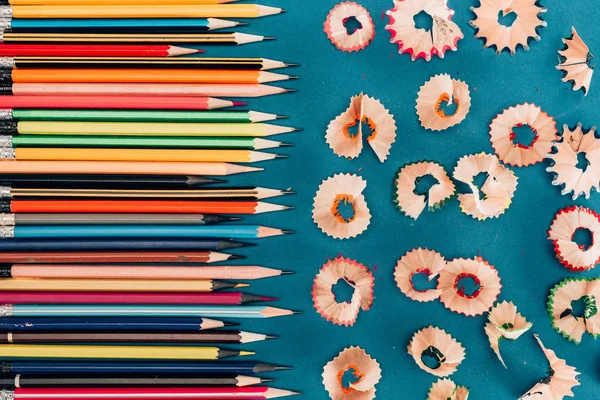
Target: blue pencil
120,244
66,367
138,231
60,310
171,25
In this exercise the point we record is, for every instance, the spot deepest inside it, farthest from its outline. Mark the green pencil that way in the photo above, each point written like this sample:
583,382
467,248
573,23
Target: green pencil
139,142
137,116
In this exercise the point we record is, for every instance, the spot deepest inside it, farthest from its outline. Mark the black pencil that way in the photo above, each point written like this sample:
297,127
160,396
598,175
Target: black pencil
103,181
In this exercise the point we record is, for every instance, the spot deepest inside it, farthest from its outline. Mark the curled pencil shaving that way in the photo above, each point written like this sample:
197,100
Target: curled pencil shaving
576,63
520,32
486,282
418,42
338,191
433,342
446,389
559,382
357,275
503,139
363,109
415,262
498,188
413,204
562,231
505,322
338,34
434,93
561,302
365,370
565,161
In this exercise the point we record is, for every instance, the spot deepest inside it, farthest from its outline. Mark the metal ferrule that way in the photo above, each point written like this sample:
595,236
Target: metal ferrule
7,232
7,394
6,141
6,12
5,367
7,62
5,192
7,310
7,219
7,153
6,114
5,24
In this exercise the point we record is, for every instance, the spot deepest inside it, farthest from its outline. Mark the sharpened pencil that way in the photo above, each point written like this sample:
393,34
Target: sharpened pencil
92,50
117,285
113,257
147,206
83,244
24,219
217,298
74,271
108,2
128,367
79,181
112,324
76,310
227,337
117,352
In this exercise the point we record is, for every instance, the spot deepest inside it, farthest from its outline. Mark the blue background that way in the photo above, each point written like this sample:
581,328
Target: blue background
515,243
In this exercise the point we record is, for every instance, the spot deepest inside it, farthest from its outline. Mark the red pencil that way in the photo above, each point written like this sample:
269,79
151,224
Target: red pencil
74,50
139,206
216,298
108,257
116,102
183,393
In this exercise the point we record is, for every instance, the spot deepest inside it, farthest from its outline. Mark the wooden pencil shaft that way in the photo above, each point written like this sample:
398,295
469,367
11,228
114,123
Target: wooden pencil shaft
132,115
134,193
103,337
138,62
104,181
110,285
110,219
79,244
104,257
127,38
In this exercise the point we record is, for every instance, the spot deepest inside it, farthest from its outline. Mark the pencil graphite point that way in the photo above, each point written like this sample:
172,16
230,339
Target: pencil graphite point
290,77
298,129
230,324
283,144
237,256
288,272
271,337
241,285
239,103
281,156
288,192
246,353
292,64
288,232
260,368
282,117
291,90
265,380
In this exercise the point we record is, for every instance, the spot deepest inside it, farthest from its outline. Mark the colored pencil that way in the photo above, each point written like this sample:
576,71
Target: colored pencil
141,128
102,181
117,310
143,324
143,89
112,257
108,2
135,155
139,116
128,75
229,337
139,231
128,367
122,168
233,38
148,206
118,25
71,271
218,298
91,50
254,64
164,142
212,393
117,285
148,11
117,352
83,380
112,219
116,102
83,244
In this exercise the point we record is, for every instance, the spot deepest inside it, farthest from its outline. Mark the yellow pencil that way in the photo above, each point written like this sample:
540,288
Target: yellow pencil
135,11
158,155
145,128
119,352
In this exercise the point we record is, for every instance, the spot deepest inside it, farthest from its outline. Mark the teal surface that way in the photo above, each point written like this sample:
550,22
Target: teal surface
515,243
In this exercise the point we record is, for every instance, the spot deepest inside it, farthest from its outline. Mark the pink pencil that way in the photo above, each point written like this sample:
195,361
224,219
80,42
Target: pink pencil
143,89
75,271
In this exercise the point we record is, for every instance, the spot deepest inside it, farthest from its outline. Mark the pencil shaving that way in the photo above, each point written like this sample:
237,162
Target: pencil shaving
434,343
504,140
356,275
576,63
565,165
446,389
439,90
419,261
365,369
339,35
413,204
498,189
335,192
418,42
363,109
560,381
561,302
504,322
562,231
488,25
485,281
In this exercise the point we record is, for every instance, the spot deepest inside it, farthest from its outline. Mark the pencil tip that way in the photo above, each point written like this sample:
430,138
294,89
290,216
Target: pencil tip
287,272
271,337
281,117
289,208
230,324
236,257
290,77
247,244
239,103
241,285
265,298
291,90
288,192
246,353
282,368
288,232
282,144
281,156
268,37
291,64
236,218
297,129
242,23
296,312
